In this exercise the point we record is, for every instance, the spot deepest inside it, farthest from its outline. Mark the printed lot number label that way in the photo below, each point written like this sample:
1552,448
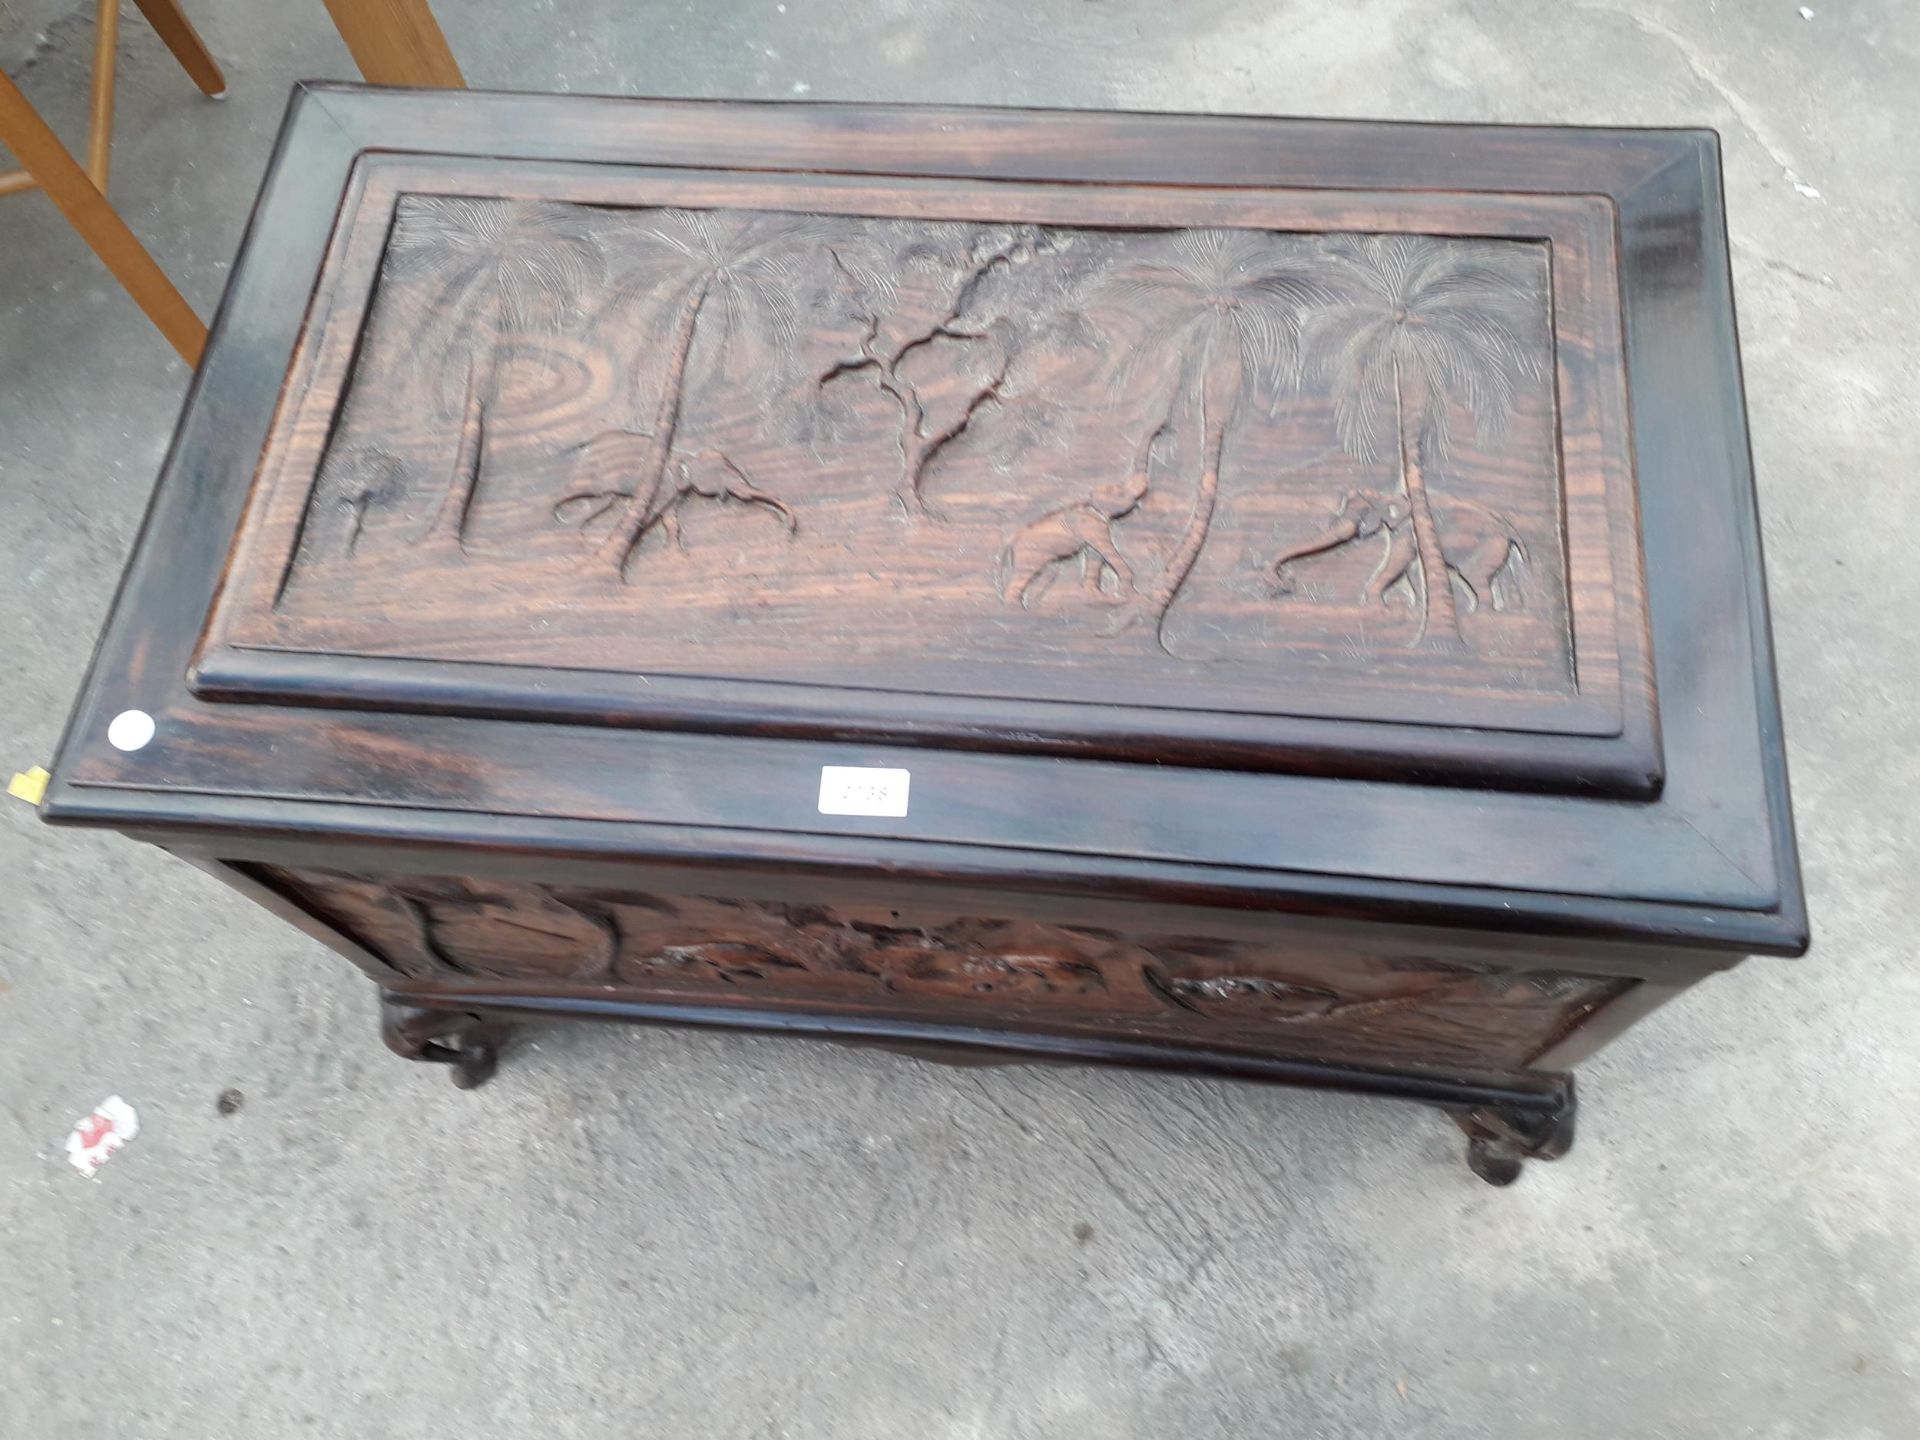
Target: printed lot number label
863,790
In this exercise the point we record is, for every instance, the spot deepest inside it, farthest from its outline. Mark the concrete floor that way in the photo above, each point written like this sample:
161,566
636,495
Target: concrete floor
634,1233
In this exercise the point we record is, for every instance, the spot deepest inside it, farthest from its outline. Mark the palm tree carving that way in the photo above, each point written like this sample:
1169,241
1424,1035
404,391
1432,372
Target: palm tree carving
1223,314
486,271
1415,324
736,272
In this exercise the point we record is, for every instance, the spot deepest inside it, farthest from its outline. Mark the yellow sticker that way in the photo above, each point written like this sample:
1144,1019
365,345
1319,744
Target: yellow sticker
30,786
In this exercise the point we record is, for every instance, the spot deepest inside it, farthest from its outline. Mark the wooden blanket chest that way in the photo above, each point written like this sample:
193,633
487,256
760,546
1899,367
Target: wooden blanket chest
1274,598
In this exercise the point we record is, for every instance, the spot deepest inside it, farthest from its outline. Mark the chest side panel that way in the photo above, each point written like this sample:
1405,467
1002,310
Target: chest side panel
1329,1003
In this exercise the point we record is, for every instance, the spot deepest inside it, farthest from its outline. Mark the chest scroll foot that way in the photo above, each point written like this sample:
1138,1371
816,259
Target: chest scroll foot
1501,1139
470,1044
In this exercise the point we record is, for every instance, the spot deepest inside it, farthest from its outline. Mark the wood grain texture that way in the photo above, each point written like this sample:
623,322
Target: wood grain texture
1338,1004
822,458
342,755
551,399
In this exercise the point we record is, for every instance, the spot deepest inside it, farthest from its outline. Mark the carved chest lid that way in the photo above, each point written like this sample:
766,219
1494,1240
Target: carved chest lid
1235,477
1275,453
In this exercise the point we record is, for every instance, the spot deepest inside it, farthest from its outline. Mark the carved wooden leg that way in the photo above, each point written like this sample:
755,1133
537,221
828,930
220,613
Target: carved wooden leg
422,1034
1501,1139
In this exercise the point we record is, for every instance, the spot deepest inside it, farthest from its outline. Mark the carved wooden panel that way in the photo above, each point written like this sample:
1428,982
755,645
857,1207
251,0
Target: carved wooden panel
1325,1004
1285,456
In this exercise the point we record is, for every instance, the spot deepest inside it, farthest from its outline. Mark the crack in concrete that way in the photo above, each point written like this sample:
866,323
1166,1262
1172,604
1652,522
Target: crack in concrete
1769,262
1743,110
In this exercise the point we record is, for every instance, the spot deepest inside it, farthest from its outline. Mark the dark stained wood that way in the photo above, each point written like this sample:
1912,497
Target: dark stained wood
1341,1004
1013,367
497,629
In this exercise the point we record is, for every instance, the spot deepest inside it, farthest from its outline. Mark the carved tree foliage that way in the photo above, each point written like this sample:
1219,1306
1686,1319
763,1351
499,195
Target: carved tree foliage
1415,323
483,274
1223,314
729,284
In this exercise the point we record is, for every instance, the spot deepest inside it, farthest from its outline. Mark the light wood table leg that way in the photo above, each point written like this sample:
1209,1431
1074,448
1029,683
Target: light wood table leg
106,36
170,23
56,171
396,42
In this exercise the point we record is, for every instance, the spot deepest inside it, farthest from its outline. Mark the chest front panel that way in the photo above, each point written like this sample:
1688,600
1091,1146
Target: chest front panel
1351,1004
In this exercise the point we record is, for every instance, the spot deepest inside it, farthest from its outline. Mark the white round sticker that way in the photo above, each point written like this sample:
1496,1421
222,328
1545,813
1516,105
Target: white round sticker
130,730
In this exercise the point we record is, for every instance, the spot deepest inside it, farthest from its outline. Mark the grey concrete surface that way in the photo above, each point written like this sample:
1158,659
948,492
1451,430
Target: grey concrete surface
638,1234
23,28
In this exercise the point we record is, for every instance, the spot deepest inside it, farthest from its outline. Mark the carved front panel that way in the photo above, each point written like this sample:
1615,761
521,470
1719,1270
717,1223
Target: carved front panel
1325,1003
1183,452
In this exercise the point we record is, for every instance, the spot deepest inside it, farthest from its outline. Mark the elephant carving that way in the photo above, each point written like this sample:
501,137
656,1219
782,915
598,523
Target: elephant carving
1479,545
1072,531
622,455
